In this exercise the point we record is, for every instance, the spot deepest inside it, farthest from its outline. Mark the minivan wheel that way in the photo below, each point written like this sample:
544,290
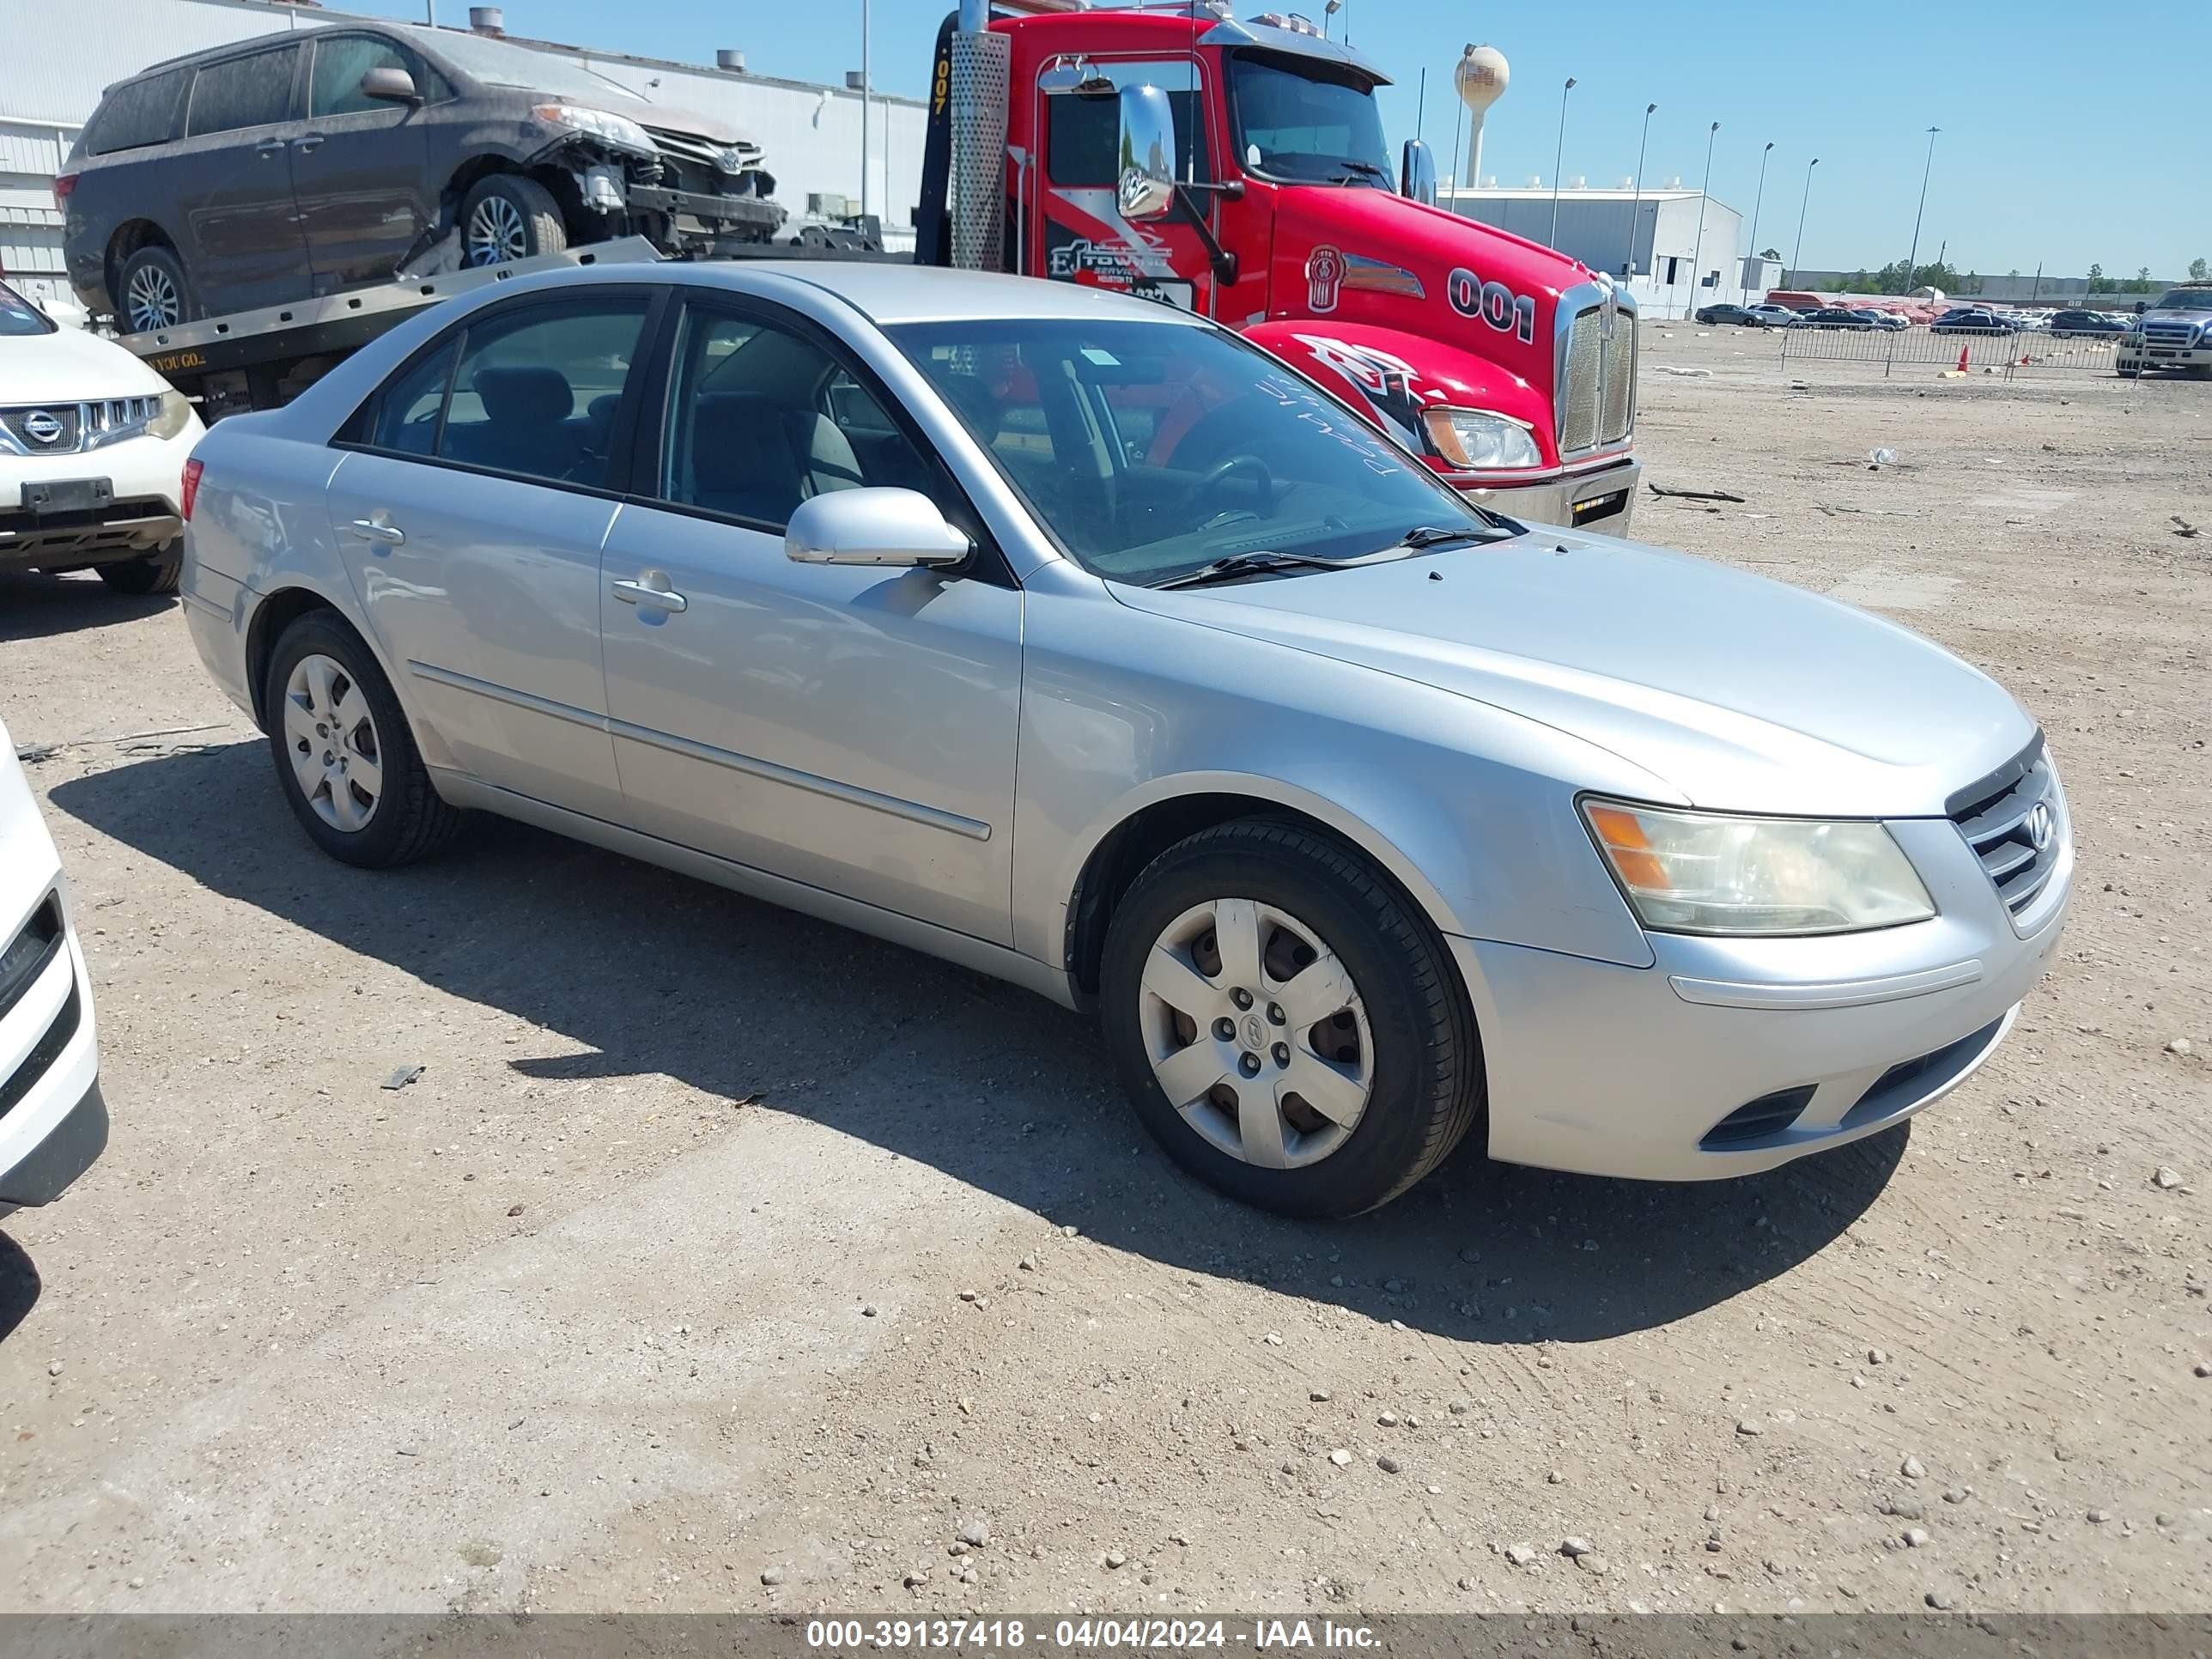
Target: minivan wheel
1287,1026
154,292
345,759
157,573
506,218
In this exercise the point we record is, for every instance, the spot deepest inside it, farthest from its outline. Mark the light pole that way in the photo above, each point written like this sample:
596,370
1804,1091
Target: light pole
1929,168
1759,199
1798,251
1697,258
1556,156
1636,211
864,109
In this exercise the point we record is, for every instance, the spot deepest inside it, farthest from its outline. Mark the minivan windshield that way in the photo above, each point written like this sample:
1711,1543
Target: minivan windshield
498,64
1149,450
1308,122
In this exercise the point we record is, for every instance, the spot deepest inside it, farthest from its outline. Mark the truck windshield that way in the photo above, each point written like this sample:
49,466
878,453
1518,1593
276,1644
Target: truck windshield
2186,299
1149,449
1307,121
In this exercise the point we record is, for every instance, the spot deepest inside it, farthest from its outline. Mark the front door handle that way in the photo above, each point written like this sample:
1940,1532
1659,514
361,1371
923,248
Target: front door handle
652,592
268,147
373,530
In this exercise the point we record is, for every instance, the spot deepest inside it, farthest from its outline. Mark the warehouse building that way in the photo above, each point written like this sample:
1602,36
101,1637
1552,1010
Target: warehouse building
1649,239
57,59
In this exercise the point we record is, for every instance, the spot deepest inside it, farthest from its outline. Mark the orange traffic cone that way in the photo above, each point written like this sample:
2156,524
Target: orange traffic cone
1962,360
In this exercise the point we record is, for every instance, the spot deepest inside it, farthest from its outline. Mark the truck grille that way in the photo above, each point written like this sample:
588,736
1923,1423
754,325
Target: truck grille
2168,334
2015,822
1597,382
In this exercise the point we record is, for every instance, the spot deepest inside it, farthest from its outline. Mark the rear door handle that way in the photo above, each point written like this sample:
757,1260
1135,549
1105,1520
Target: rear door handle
311,142
268,147
652,597
372,530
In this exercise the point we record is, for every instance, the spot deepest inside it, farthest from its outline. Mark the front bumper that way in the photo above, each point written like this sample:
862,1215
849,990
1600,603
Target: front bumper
1620,1071
1602,499
718,213
145,479
2138,353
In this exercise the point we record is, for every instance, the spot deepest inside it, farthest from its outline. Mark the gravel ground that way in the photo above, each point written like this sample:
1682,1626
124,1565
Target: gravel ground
722,1259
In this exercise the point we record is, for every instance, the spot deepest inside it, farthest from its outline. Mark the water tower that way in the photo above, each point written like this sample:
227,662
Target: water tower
1481,78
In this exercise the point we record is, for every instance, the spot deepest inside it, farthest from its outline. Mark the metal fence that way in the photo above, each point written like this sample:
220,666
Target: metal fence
2023,351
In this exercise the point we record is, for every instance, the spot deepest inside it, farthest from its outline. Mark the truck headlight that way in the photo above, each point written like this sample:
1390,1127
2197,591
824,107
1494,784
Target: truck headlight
1475,438
171,416
1703,872
604,125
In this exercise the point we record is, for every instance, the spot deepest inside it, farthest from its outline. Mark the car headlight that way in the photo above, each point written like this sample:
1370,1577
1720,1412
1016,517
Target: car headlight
1476,438
1702,873
171,415
604,125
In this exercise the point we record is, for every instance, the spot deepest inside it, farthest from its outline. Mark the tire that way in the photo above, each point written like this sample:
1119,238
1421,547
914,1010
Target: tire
402,819
506,216
152,291
1411,1038
157,573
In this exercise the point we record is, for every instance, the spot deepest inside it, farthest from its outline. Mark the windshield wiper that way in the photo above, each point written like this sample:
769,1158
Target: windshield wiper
1422,536
1364,169
1258,562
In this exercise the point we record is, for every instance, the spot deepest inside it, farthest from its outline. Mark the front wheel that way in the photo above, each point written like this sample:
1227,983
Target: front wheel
506,217
157,573
1287,1026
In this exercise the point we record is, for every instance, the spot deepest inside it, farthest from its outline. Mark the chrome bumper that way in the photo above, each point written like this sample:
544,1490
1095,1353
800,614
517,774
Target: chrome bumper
1601,500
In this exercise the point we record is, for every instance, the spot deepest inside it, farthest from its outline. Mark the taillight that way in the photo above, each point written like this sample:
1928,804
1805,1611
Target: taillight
63,183
193,470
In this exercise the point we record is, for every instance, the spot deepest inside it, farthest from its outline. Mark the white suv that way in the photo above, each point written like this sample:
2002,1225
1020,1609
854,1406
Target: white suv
52,1121
92,446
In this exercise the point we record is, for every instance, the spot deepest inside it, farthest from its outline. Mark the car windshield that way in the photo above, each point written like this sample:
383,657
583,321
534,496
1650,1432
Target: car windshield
19,316
1147,450
2186,299
1313,122
498,64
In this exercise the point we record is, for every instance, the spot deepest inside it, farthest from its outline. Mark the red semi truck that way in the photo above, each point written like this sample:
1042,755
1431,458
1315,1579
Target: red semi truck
1170,150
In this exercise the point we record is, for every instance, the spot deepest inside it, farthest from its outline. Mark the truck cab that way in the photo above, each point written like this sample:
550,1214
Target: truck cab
2175,333
1510,367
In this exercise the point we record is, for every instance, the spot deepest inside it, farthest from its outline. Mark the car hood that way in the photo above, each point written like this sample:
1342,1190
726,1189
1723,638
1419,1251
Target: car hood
1746,695
70,366
692,123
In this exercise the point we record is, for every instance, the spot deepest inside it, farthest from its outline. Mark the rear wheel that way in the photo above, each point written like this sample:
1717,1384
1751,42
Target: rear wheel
345,758
506,218
1287,1026
157,573
155,291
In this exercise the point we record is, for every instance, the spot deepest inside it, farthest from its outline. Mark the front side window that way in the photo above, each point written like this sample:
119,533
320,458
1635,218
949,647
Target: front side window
1082,138
253,91
340,61
1307,122
761,418
1149,449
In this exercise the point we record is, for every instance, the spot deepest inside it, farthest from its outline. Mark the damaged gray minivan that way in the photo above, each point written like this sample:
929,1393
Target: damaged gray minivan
302,163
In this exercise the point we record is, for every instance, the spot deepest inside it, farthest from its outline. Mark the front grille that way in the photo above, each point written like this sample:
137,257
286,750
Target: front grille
1756,1120
27,955
41,1059
2006,815
65,428
1597,381
2169,334
688,163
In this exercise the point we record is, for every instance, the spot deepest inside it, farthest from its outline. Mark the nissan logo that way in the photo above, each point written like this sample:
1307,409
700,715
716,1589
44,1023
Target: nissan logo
42,427
2042,827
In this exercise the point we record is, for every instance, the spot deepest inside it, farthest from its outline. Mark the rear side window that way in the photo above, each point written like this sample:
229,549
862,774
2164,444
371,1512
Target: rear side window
253,91
138,113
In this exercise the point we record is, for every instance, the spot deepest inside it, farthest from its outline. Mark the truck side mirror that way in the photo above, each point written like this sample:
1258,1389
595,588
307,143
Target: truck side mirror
1416,173
1146,186
390,86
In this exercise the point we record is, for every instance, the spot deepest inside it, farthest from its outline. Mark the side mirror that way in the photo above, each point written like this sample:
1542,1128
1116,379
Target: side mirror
1416,173
390,86
897,528
1147,189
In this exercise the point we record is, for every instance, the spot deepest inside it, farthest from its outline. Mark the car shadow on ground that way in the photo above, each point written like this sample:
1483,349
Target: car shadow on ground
34,607
19,1287
653,973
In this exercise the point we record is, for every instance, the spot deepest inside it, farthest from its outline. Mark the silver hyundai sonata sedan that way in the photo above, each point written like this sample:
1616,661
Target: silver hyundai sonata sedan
1073,640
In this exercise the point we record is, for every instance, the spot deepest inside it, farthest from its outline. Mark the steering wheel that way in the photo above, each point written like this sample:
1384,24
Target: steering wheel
1220,472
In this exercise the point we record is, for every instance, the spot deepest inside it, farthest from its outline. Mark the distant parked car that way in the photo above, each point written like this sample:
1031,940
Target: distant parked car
1740,315
1973,322
1772,317
293,165
1838,316
2085,325
1895,322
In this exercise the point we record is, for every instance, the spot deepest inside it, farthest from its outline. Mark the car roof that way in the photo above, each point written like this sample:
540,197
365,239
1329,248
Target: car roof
248,43
889,293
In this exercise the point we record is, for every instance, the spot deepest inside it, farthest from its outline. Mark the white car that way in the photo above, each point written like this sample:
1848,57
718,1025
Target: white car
92,446
52,1121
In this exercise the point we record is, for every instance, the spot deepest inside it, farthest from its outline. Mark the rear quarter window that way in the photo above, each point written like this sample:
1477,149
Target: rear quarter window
137,113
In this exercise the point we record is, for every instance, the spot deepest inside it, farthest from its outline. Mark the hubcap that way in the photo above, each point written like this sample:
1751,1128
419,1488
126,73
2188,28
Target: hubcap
497,232
151,300
331,738
1256,1033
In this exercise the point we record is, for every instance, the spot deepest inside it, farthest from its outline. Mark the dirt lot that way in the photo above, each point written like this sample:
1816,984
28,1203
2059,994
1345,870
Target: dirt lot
716,1246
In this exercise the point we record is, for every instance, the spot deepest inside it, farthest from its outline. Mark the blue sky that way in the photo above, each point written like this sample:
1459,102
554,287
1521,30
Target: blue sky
2017,179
